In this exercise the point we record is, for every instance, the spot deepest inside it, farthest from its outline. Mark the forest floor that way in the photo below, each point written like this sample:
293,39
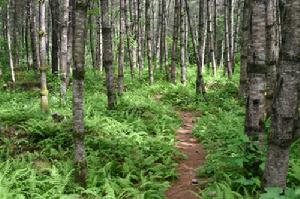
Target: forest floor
131,151
186,186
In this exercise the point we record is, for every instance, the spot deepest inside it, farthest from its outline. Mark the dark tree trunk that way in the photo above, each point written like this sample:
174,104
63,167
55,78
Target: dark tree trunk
175,42
121,48
54,6
149,40
34,36
108,56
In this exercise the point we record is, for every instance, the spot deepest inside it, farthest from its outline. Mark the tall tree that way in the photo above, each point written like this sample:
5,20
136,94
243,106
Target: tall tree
285,109
9,43
43,56
70,39
175,41
140,39
80,163
99,47
54,6
272,50
64,49
121,48
227,25
33,35
244,47
149,40
108,54
16,11
163,43
182,43
210,36
200,88
256,69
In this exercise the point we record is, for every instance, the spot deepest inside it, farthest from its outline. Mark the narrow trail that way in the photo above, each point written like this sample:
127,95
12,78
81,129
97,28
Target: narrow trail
186,185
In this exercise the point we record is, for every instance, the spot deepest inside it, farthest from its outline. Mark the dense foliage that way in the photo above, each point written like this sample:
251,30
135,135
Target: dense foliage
131,151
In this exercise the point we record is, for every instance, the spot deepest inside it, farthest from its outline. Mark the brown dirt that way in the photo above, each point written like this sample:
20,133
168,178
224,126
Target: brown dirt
186,186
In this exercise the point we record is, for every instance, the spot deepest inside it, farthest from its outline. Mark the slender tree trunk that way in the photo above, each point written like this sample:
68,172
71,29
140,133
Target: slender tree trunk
215,29
163,48
149,40
92,39
200,88
285,109
34,36
64,50
27,29
54,5
272,51
182,43
80,162
16,10
228,68
99,47
130,48
140,40
70,40
244,47
175,41
222,55
9,36
43,56
202,34
121,48
211,38
231,33
108,54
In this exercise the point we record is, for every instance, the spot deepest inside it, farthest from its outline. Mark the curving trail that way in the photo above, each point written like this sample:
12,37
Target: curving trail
185,187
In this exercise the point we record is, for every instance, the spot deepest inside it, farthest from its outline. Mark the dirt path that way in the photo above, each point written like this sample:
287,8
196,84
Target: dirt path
186,184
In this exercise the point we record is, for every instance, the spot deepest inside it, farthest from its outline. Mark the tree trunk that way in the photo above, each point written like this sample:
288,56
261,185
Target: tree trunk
9,36
285,109
70,40
200,88
54,5
163,48
16,10
80,162
149,40
64,50
140,40
210,36
231,33
34,36
121,48
182,43
92,38
256,70
108,54
272,51
228,68
99,47
175,41
43,56
244,48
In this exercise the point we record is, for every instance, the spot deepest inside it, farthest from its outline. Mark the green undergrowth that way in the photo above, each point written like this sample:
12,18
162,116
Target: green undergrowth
130,150
227,173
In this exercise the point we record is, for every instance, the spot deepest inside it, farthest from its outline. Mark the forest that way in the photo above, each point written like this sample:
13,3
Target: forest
149,99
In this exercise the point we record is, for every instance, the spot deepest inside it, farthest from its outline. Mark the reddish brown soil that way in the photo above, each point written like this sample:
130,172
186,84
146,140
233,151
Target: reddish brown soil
186,186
